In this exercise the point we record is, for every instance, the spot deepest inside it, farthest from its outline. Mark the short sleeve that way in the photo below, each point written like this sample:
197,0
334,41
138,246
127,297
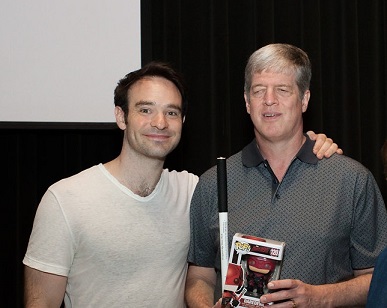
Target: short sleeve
51,246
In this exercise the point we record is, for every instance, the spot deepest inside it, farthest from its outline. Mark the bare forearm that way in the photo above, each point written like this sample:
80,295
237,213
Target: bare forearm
200,285
32,299
199,294
351,293
43,290
36,298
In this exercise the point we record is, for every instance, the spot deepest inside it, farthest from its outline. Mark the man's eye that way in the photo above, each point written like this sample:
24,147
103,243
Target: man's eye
258,92
172,113
284,91
145,110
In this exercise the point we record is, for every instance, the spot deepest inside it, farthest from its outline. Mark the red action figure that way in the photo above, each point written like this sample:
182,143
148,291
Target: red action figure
259,272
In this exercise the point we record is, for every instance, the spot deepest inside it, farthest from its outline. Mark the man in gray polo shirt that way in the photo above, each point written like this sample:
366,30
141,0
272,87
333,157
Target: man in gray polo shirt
330,212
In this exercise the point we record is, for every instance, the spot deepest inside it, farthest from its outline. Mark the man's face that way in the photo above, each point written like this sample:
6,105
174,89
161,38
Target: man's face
154,123
275,106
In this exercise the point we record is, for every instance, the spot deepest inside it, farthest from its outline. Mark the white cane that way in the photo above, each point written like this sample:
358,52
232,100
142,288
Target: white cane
223,216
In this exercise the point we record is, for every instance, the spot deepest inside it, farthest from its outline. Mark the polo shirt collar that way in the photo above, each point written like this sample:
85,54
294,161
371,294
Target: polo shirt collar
252,157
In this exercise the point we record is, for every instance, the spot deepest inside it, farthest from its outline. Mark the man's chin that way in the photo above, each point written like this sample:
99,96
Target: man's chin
161,154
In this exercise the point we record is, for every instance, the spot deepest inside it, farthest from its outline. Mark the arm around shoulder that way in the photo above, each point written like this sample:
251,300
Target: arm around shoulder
324,146
43,290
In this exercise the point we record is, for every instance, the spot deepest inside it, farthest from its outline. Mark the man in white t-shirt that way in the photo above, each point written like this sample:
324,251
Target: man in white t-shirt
117,234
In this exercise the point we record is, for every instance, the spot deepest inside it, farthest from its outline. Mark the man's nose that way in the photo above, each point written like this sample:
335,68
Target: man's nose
159,121
270,98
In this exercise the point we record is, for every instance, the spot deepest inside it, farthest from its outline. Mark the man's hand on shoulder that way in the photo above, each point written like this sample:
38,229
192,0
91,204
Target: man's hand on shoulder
324,146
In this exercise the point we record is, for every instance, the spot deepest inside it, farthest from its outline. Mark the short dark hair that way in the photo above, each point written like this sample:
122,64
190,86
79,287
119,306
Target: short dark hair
152,69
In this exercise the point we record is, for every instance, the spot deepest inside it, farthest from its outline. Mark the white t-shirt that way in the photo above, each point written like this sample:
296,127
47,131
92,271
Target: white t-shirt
116,248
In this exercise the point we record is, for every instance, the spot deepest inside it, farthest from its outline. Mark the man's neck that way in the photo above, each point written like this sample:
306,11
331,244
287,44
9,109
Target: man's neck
280,154
139,174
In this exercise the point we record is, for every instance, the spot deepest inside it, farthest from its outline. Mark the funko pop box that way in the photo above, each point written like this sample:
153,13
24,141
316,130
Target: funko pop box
253,263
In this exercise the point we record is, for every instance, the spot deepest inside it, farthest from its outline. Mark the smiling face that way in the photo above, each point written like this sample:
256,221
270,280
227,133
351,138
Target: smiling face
275,106
154,123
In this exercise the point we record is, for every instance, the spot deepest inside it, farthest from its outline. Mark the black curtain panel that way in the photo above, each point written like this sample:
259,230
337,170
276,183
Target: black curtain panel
33,159
209,41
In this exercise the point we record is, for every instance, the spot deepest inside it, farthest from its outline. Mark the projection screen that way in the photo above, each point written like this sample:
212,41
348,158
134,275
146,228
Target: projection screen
61,59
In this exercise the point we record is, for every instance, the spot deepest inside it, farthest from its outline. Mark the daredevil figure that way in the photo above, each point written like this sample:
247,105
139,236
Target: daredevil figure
259,272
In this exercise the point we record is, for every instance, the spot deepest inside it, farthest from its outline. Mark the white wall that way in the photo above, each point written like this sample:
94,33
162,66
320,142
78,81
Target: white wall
60,60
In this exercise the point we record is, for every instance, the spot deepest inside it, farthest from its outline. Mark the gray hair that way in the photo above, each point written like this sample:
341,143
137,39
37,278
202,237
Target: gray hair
280,58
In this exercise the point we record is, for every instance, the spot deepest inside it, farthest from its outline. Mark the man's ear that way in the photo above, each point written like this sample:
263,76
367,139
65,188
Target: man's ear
305,101
247,103
120,117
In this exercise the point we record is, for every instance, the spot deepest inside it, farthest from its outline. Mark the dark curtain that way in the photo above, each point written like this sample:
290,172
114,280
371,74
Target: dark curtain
209,42
33,159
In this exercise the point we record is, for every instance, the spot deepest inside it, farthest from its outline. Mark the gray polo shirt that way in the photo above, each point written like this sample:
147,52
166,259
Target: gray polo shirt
329,212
